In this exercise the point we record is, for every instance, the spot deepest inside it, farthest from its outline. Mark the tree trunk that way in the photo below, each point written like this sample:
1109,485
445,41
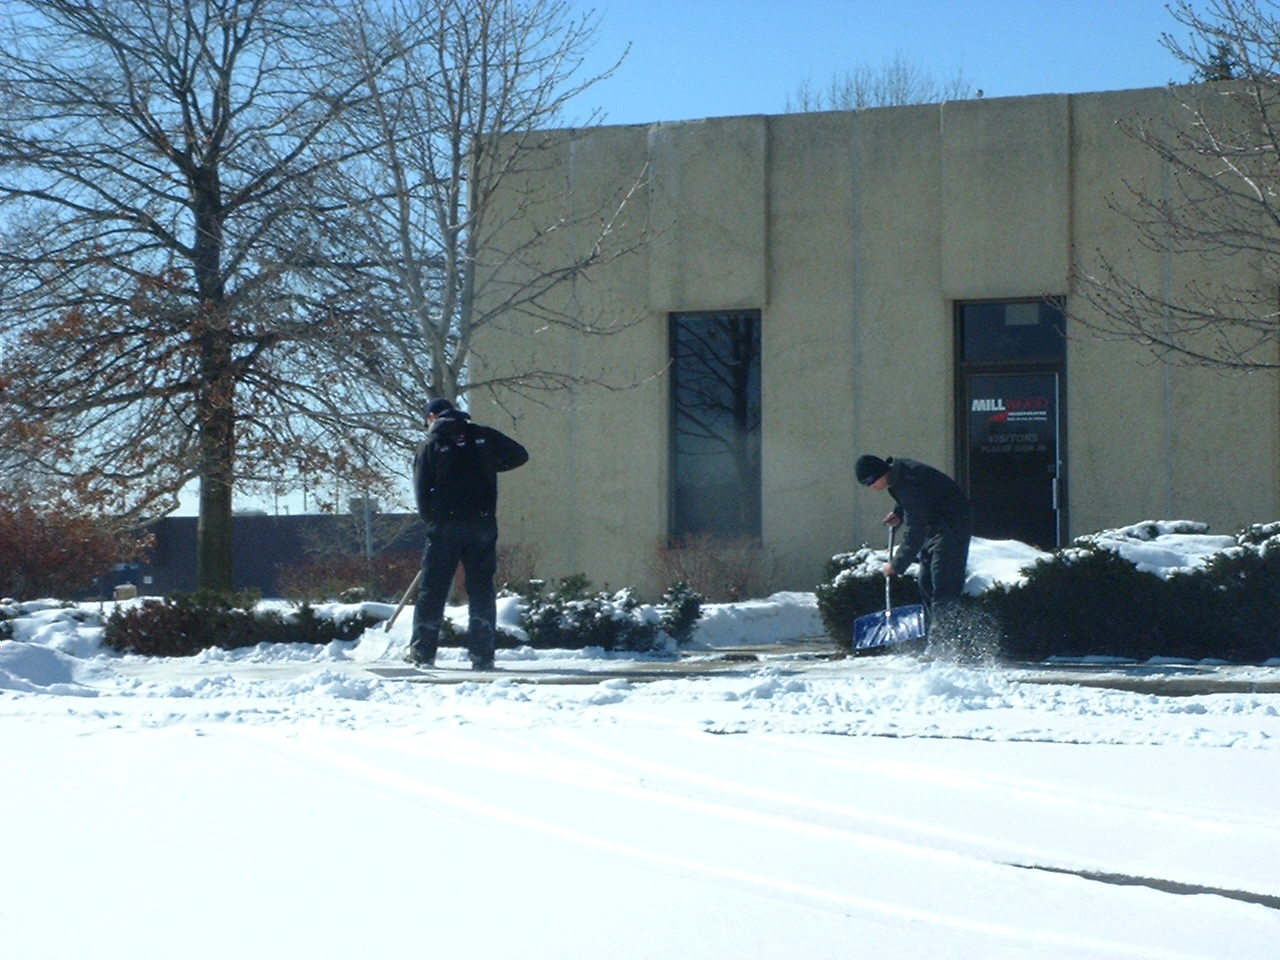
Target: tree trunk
214,556
214,563
213,536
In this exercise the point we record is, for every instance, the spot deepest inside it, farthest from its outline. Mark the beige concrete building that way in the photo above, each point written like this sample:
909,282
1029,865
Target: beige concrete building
897,281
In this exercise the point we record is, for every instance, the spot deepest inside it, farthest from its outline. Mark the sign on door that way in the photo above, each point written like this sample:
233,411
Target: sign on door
1012,456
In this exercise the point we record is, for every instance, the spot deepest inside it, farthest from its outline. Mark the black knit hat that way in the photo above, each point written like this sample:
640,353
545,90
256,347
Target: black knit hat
869,469
438,406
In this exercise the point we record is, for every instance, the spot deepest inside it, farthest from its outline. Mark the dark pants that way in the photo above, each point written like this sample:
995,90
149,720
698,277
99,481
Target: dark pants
473,543
943,560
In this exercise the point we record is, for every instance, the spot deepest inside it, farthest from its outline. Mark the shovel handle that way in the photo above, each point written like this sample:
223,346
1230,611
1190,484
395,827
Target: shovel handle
386,628
888,559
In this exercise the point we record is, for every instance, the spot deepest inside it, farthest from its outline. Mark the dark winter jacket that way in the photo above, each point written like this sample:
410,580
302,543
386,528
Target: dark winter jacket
929,503
455,472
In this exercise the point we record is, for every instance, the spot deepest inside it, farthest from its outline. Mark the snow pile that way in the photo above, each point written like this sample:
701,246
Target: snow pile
1164,547
783,616
37,669
993,562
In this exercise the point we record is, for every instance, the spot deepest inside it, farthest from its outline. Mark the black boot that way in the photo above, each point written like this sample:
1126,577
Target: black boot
419,657
480,644
422,646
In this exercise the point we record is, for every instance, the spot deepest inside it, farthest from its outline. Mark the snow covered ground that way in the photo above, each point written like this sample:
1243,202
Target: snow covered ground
284,802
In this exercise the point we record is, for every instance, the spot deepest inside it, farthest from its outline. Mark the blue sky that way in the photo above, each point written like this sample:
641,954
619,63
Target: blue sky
691,59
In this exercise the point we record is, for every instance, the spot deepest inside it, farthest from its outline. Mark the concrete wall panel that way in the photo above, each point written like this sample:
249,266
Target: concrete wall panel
707,190
1005,197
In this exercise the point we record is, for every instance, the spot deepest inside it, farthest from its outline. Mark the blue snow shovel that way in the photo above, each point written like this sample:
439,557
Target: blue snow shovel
899,625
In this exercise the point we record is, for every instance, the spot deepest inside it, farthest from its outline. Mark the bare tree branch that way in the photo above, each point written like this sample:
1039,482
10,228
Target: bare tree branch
473,108
898,82
1216,202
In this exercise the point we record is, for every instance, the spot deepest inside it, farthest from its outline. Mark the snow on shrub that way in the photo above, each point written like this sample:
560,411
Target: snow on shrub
570,616
182,625
1152,589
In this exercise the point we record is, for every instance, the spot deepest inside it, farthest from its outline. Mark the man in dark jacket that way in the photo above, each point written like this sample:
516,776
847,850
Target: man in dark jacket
455,477
938,526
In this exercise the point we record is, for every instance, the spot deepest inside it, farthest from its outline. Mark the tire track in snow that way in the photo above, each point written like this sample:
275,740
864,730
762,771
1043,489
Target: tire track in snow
1034,800
350,757
1164,886
795,808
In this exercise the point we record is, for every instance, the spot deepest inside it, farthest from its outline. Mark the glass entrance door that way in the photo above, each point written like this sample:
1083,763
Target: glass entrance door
1010,364
1012,460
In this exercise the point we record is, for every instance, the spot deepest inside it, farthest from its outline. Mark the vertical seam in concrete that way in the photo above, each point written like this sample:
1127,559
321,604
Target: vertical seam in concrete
855,314
1166,372
767,338
1062,502
572,424
662,309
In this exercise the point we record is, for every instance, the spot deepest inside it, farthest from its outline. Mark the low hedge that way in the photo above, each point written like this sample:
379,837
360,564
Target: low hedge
1087,600
568,615
182,625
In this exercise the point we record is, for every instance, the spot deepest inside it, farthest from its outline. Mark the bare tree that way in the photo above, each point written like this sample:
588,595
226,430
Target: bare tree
156,164
1217,202
237,237
899,82
471,108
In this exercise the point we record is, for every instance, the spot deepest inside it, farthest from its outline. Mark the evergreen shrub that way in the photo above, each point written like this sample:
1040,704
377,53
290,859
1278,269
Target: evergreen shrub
681,610
570,616
1236,599
451,636
182,625
1082,599
853,585
1088,600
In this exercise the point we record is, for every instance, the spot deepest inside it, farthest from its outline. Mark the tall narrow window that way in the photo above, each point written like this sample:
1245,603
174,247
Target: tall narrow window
715,423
